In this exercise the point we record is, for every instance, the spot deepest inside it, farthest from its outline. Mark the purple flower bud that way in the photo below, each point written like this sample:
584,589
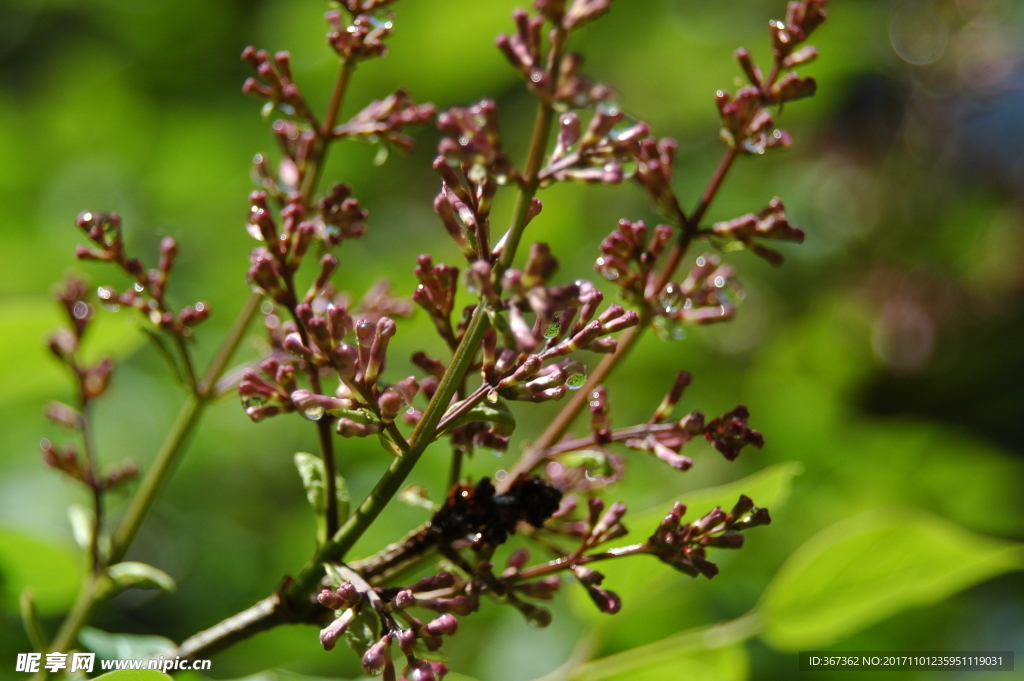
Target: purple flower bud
407,640
446,624
330,634
758,518
403,599
725,541
390,404
374,658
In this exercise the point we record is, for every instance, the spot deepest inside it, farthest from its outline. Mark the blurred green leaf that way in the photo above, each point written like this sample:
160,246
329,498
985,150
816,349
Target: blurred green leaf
134,675
109,646
51,570
311,470
707,654
26,364
130,575
870,567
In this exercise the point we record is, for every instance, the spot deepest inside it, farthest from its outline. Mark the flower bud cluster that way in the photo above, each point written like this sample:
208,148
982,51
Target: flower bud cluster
383,121
436,294
390,606
628,257
472,165
272,266
606,152
149,286
66,459
684,546
362,38
747,126
729,433
577,14
704,297
275,83
770,223
92,382
525,52
655,162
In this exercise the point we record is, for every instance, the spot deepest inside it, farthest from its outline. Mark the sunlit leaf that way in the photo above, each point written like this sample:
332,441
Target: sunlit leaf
707,654
870,567
311,470
130,575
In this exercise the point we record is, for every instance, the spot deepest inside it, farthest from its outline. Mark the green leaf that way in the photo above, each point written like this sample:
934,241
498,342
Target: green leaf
872,566
311,470
706,654
51,570
130,575
108,646
364,631
497,413
134,675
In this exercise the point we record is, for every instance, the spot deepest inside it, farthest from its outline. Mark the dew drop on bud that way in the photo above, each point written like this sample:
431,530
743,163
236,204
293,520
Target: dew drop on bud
314,413
576,381
553,329
254,231
492,396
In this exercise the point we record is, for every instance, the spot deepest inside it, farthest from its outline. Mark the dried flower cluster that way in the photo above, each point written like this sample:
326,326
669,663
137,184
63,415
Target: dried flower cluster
528,335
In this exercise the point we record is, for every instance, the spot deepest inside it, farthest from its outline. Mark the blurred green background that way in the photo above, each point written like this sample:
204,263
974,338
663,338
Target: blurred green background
884,357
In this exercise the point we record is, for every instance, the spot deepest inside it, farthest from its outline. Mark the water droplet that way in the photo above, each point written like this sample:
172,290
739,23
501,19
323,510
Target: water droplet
105,293
199,307
477,174
536,76
607,271
553,330
314,413
463,141
701,261
80,310
87,217
267,307
500,474
253,401
671,299
501,179
139,288
492,396
576,381
719,282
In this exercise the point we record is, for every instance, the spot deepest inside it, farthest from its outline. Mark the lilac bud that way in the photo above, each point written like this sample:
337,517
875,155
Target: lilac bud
442,580
390,404
518,558
374,659
403,599
446,624
407,640
725,541
758,518
330,634
744,506
378,351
